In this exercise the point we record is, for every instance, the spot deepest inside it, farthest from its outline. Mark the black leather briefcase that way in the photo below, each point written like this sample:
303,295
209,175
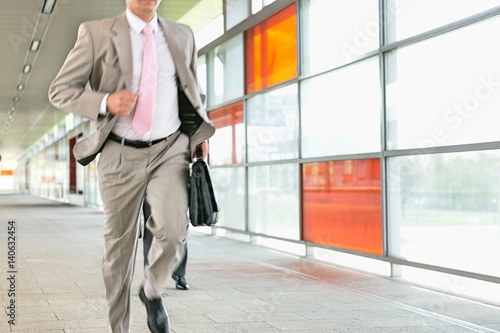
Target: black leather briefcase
203,206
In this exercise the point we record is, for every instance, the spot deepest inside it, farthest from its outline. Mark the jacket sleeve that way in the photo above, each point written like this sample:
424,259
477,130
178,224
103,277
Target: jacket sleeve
69,89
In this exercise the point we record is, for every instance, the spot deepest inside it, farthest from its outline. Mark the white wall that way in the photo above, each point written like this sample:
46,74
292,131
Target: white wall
7,181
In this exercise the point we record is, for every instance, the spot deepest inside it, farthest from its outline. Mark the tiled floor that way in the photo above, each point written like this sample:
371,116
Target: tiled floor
235,287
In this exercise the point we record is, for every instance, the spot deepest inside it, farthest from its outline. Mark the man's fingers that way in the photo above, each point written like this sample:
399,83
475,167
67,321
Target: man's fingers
204,149
121,102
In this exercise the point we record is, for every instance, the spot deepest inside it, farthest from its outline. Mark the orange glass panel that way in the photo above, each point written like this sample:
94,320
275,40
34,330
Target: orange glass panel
229,118
6,173
342,204
271,51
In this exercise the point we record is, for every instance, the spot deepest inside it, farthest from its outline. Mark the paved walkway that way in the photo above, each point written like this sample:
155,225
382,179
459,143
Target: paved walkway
235,287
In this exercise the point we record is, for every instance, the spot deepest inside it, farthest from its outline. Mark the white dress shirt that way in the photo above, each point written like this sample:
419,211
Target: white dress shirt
166,112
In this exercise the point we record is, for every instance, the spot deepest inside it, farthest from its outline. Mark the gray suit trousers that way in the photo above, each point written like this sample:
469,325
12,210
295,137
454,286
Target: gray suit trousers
125,175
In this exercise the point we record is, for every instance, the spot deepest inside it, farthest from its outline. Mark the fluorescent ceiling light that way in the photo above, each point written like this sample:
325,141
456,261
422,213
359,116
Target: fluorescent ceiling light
20,87
26,69
35,45
48,6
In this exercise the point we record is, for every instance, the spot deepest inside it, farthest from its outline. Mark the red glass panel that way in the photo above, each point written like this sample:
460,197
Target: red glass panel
229,116
342,204
271,51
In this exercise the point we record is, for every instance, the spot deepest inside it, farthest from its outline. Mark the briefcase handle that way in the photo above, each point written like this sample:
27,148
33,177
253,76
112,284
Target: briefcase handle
199,152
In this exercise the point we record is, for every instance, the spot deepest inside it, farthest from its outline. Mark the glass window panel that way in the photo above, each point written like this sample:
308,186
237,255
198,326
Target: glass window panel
91,184
351,29
227,145
236,12
273,200
406,18
271,51
451,97
342,204
226,71
272,125
257,5
340,111
229,187
202,73
444,210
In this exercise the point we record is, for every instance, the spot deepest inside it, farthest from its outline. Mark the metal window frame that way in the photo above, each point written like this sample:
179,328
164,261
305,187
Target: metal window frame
384,48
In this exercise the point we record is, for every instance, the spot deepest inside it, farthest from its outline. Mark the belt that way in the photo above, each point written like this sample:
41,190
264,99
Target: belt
134,143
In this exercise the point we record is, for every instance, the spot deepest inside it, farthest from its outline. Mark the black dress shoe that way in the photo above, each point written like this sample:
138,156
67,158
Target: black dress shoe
181,282
158,321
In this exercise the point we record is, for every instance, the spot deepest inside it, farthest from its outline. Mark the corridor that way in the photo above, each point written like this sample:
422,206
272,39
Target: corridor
235,286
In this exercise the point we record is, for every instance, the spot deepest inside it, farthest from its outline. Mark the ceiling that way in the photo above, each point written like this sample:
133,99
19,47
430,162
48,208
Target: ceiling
24,122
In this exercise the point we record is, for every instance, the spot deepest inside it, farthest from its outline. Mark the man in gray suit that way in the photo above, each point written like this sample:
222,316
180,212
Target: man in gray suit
107,57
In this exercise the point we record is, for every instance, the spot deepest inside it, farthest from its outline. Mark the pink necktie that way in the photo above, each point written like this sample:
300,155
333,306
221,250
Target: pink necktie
143,117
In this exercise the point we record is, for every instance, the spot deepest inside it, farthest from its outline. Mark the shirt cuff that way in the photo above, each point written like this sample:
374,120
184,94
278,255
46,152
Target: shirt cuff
103,111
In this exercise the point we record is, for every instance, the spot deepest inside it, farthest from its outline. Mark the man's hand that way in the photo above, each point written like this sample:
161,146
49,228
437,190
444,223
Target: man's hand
121,103
204,149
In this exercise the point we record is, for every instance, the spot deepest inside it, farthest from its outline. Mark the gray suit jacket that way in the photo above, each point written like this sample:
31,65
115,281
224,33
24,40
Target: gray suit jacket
101,63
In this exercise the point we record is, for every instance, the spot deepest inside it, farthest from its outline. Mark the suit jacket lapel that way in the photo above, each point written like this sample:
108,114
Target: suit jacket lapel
123,47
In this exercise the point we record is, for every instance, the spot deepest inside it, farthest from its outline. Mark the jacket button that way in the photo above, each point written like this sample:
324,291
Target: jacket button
185,86
197,108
